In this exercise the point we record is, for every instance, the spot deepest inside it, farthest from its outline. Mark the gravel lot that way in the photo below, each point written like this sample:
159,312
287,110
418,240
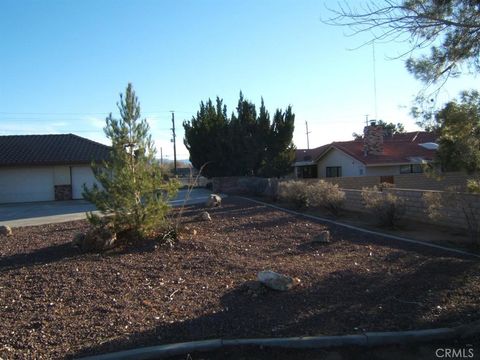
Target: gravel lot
56,302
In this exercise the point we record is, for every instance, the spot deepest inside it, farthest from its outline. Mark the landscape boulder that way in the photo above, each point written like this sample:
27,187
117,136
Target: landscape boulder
5,230
323,237
95,239
214,201
204,216
276,281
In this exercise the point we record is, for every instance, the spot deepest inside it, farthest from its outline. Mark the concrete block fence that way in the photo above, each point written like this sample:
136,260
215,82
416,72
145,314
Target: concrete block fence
415,207
405,181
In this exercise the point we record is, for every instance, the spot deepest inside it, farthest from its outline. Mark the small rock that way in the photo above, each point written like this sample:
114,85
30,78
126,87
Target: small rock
204,216
214,201
5,230
323,237
277,281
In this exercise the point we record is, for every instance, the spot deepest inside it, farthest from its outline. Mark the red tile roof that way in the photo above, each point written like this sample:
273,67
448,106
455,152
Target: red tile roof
28,150
399,148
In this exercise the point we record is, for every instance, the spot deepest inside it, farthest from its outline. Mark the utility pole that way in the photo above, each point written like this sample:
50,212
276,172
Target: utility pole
174,145
161,156
307,132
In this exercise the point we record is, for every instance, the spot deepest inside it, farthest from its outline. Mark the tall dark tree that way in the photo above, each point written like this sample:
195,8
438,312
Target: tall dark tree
280,151
243,137
246,144
207,138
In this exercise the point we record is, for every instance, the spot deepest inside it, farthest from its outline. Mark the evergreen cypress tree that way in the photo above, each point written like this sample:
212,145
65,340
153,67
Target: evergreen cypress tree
133,192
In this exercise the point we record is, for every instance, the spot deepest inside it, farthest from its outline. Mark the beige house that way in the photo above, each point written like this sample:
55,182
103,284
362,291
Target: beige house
375,154
47,167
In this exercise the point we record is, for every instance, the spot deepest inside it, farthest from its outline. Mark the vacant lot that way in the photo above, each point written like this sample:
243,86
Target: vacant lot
56,302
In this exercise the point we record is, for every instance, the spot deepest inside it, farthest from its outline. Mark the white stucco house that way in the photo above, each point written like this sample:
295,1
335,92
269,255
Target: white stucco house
372,155
47,167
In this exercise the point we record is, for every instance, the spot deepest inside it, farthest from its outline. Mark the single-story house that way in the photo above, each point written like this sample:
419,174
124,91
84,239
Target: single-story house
375,154
47,167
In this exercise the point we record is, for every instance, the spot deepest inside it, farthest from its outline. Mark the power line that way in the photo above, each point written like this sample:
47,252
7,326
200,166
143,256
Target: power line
174,145
90,113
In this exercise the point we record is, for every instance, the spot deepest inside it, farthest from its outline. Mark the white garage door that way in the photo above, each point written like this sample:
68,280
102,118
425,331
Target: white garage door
81,175
26,184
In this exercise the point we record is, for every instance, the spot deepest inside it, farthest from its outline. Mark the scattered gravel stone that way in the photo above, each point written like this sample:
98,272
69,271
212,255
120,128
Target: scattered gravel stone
134,296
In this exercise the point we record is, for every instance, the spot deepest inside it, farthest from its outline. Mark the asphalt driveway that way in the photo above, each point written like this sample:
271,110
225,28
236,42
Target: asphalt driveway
38,213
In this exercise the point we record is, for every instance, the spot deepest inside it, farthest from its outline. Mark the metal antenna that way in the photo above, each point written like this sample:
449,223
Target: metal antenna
307,132
374,81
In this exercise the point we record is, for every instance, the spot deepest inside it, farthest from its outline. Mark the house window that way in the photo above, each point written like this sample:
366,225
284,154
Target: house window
333,171
411,168
417,168
307,172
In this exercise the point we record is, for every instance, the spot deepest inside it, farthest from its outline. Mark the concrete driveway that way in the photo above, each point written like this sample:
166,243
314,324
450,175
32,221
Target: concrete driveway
38,213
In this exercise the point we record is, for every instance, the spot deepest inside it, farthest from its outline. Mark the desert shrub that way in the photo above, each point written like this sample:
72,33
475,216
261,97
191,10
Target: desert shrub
439,206
293,192
326,195
387,207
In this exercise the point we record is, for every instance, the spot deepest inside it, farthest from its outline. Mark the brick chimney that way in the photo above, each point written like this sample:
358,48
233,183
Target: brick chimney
373,139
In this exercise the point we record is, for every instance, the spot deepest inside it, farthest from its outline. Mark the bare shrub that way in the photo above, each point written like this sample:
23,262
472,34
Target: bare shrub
294,192
440,206
326,195
387,207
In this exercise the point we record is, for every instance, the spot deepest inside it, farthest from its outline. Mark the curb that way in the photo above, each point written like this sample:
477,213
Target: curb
372,232
369,339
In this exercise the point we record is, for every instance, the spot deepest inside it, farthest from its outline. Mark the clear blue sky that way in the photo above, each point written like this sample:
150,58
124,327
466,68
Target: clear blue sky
64,63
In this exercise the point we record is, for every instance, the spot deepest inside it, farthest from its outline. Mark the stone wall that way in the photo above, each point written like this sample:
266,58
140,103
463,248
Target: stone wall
373,139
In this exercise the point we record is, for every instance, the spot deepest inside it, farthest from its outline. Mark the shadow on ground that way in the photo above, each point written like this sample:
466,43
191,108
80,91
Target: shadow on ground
346,301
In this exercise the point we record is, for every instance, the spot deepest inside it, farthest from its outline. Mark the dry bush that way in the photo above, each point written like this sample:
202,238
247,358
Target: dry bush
293,192
326,195
387,207
441,204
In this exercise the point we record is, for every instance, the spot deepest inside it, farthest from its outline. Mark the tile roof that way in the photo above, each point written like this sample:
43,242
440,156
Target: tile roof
19,150
399,148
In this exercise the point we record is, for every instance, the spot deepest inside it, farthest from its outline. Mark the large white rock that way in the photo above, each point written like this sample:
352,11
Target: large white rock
5,230
214,201
276,281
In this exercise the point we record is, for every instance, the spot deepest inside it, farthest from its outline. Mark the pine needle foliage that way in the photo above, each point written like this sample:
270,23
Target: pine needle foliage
132,192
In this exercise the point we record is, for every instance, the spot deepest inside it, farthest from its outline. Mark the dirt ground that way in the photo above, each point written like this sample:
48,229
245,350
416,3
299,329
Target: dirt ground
56,302
438,234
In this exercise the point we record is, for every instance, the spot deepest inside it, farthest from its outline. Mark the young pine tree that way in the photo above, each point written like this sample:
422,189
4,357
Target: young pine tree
133,192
